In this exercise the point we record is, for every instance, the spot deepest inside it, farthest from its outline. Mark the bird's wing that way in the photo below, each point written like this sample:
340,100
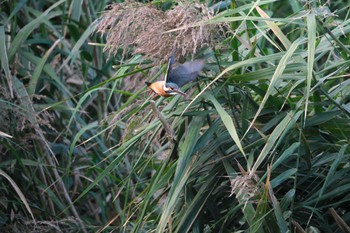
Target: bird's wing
185,73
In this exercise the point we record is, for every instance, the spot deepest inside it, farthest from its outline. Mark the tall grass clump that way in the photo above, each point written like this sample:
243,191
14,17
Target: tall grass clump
260,146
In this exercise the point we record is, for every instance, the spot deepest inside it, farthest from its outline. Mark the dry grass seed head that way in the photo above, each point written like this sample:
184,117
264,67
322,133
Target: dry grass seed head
245,187
123,22
147,28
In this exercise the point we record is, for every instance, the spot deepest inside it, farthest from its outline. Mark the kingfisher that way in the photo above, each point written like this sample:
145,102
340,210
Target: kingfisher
177,77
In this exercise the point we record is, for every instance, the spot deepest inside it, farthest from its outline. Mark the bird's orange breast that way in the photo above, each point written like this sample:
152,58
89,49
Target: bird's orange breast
158,88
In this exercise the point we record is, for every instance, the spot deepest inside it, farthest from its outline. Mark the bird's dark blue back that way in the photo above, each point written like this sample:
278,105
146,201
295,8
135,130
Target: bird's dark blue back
185,73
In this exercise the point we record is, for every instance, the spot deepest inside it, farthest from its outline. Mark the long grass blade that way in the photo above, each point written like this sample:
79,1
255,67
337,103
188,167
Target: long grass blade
19,192
23,34
281,129
228,122
4,59
38,70
278,73
311,46
183,171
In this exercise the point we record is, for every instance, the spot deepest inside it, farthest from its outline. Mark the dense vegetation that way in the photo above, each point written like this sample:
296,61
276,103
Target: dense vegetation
262,145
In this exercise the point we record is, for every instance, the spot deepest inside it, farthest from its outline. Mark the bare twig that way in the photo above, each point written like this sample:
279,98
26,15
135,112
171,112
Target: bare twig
340,222
169,131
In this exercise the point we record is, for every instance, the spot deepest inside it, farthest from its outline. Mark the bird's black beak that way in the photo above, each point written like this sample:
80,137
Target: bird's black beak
177,92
